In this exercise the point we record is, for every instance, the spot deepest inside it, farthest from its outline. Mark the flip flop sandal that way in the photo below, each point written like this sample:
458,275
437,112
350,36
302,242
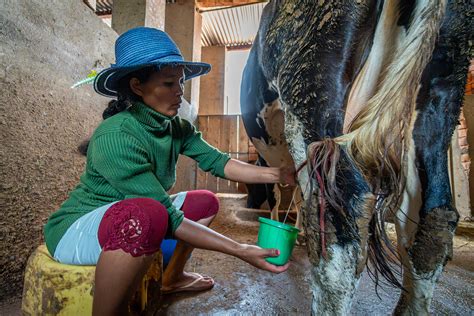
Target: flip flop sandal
189,287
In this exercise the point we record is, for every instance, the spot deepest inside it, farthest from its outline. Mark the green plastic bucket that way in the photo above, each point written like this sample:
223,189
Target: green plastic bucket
273,234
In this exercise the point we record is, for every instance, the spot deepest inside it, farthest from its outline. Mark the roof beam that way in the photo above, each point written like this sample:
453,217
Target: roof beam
223,3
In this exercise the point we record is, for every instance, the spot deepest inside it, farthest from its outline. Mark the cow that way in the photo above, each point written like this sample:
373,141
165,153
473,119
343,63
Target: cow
362,97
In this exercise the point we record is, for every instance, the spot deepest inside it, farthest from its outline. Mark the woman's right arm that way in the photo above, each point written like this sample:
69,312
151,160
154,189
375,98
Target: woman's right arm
200,236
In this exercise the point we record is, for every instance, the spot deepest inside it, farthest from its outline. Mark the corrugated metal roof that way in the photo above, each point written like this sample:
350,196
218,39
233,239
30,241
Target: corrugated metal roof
231,26
103,7
234,26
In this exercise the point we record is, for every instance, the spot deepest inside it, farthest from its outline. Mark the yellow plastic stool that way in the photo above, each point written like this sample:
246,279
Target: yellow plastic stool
53,288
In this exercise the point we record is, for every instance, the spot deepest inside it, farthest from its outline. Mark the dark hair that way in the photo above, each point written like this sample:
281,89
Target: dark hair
125,98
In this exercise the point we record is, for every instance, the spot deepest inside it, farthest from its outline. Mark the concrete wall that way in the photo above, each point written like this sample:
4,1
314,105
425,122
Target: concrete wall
128,14
45,46
155,14
183,24
468,110
212,94
459,177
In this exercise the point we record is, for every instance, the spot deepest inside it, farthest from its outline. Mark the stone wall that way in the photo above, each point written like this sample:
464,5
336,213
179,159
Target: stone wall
45,46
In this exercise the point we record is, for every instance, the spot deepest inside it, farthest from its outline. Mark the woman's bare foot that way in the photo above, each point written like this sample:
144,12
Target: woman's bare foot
188,282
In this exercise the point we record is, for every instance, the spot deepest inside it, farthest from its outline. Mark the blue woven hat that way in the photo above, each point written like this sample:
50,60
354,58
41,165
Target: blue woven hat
141,47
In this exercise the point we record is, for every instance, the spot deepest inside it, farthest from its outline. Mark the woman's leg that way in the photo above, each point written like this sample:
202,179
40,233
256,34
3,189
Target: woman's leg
130,233
200,206
117,276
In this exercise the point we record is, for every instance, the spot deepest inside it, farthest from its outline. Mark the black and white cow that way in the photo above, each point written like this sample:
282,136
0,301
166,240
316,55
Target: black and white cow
367,93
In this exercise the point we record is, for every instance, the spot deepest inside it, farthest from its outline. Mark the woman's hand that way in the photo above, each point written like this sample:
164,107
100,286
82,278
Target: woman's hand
256,257
200,236
240,171
288,175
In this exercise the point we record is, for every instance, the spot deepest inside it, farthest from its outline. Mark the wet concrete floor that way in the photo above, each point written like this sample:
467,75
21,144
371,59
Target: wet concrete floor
241,289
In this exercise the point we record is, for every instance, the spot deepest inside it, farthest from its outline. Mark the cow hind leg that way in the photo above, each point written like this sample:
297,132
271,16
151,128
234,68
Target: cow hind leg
425,238
406,222
425,249
424,243
424,259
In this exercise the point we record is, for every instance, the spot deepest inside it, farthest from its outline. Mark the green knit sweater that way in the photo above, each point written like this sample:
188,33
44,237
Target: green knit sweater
134,154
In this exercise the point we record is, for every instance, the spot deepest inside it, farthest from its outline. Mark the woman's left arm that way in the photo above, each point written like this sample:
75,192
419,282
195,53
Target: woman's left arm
211,159
240,171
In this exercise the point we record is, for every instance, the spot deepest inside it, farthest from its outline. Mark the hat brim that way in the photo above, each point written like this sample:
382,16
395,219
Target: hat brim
106,82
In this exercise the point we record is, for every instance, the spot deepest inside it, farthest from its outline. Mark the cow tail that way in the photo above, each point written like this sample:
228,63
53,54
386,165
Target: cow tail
378,140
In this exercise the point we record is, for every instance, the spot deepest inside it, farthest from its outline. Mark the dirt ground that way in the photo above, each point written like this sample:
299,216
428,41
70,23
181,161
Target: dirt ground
242,289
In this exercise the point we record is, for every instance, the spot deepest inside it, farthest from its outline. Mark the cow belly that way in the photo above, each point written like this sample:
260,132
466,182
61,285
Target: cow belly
420,288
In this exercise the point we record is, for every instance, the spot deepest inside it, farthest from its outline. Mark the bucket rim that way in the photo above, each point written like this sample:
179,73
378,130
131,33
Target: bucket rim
278,224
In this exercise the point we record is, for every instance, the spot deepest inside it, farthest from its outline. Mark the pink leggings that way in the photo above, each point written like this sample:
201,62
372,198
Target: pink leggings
138,225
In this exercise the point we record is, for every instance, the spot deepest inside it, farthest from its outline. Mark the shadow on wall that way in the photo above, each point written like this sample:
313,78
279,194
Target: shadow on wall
45,47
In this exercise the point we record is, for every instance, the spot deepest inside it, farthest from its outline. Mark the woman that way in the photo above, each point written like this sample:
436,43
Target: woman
120,212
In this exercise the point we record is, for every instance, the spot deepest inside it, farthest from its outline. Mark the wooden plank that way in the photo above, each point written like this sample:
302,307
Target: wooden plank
201,176
241,188
225,132
233,127
234,146
229,186
229,143
244,144
213,138
222,3
213,126
244,157
243,138
185,175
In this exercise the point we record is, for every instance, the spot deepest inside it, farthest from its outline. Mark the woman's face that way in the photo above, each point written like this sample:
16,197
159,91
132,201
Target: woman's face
163,90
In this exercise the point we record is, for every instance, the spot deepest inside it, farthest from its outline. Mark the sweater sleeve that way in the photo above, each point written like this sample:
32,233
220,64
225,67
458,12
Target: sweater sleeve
123,162
208,157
